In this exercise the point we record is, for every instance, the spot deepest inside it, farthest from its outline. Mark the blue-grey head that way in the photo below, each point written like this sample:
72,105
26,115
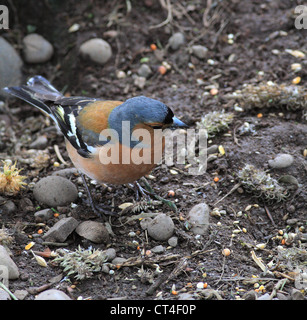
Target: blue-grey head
143,110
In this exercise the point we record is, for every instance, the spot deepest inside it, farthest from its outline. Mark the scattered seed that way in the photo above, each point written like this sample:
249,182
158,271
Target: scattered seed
172,171
226,252
40,231
153,47
305,153
214,91
162,70
244,230
29,245
216,179
296,53
221,150
171,193
296,80
259,115
260,246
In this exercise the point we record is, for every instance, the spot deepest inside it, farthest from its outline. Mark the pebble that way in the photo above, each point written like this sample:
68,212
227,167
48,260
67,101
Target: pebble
4,295
43,215
97,50
140,82
161,227
7,262
158,249
8,207
10,65
61,230
144,70
52,294
36,49
66,173
40,143
21,294
297,294
199,218
110,253
55,191
118,260
176,40
173,241
93,231
200,51
282,160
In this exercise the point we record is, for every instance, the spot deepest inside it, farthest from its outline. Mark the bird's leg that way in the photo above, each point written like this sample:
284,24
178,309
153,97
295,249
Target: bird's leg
100,211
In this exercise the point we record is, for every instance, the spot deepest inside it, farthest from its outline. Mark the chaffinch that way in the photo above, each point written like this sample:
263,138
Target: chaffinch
102,139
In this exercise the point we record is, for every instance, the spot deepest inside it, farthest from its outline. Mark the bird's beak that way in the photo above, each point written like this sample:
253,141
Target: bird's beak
178,124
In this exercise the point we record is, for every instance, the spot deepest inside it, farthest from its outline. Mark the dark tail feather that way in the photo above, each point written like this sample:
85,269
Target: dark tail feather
37,91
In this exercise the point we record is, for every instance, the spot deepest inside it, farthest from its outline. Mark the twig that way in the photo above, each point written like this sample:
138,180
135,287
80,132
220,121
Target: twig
229,193
58,153
169,15
269,215
280,284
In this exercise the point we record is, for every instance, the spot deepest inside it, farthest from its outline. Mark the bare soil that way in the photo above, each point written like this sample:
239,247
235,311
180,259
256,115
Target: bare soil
256,27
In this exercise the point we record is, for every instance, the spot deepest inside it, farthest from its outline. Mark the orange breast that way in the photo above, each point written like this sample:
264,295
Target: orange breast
119,164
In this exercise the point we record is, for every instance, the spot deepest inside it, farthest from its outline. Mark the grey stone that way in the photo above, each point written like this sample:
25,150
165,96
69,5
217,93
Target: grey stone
173,241
144,71
10,66
61,230
36,49
118,260
200,51
21,294
39,143
43,215
7,262
282,160
176,40
97,50
158,249
199,218
66,173
161,227
52,294
4,295
55,191
93,231
9,207
111,254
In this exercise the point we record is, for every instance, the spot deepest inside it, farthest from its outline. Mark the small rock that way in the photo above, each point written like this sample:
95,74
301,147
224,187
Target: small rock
98,50
66,173
144,70
161,227
55,191
61,230
93,231
10,66
52,294
200,51
118,260
4,295
9,207
186,296
297,295
176,40
144,223
140,82
40,143
173,241
265,296
21,294
36,49
213,149
158,249
282,160
7,264
292,221
43,215
111,254
250,295
199,218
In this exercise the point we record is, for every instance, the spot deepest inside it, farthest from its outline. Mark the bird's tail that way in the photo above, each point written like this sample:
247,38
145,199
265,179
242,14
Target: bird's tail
38,92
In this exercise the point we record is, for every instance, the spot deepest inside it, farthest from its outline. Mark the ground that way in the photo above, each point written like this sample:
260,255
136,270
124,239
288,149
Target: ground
258,27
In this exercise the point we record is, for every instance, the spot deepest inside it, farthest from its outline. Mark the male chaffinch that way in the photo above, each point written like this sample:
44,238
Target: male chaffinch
88,124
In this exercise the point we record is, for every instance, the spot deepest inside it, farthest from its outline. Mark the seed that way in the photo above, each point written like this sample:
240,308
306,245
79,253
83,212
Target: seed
296,80
226,252
214,91
153,47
